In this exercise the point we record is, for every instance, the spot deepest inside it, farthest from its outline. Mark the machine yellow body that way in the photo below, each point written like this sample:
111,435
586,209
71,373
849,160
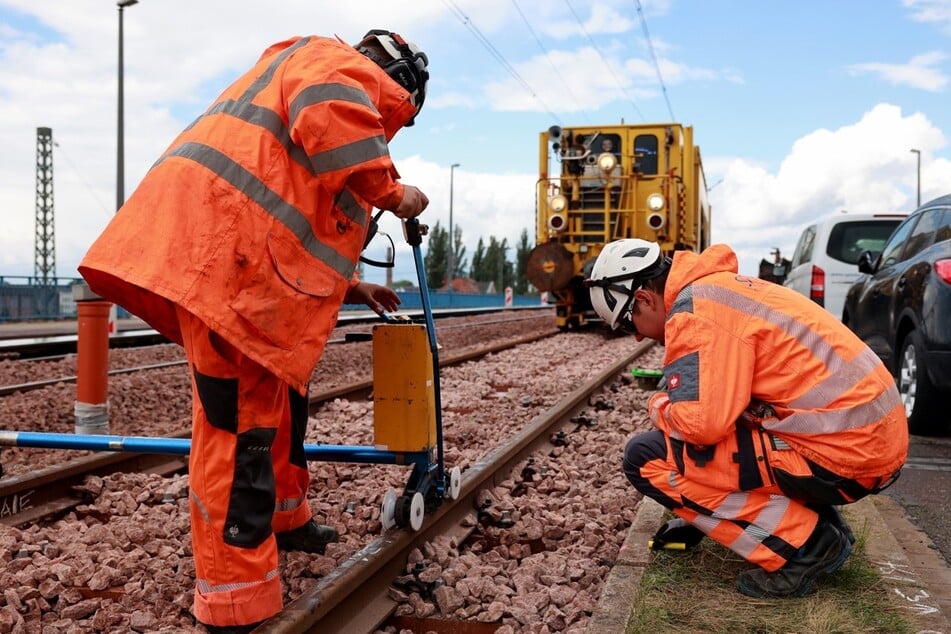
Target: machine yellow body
404,402
597,184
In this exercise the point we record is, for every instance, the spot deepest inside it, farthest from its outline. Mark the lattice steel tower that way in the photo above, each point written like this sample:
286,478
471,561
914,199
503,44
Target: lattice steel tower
44,251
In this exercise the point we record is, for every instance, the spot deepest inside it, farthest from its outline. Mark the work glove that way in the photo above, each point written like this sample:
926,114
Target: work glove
677,534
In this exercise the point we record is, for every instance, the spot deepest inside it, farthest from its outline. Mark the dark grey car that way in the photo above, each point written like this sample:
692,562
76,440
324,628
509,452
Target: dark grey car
901,308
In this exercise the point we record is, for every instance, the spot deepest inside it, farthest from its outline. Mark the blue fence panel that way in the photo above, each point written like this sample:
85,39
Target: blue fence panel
411,300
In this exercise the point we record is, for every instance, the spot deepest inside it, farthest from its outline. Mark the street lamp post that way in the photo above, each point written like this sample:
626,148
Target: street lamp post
452,246
120,130
918,152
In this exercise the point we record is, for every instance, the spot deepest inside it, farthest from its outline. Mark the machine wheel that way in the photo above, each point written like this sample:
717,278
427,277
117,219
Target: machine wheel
455,483
417,509
388,510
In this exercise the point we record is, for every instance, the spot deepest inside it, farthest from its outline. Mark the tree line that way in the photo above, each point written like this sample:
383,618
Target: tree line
489,263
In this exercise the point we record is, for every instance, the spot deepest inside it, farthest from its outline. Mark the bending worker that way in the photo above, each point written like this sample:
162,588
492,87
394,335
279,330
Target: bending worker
241,245
774,413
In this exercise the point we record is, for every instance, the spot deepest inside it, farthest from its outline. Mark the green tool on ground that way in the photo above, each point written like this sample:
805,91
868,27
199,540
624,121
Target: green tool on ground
647,379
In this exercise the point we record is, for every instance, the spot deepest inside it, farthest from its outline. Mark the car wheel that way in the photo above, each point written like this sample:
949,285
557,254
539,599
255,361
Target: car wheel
918,395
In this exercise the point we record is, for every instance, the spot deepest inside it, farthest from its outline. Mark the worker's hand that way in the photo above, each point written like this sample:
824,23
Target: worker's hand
656,407
379,298
676,534
413,203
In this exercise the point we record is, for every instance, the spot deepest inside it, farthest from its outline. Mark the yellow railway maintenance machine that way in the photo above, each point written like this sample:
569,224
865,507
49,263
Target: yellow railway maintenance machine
407,411
608,183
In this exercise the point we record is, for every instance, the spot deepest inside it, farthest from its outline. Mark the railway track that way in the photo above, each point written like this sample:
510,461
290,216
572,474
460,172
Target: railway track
357,595
355,598
350,337
52,491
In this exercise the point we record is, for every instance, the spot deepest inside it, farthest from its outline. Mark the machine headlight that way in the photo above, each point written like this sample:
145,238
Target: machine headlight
655,202
558,203
557,222
607,161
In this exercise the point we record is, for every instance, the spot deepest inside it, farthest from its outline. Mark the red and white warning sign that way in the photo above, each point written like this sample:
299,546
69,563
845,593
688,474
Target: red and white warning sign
113,313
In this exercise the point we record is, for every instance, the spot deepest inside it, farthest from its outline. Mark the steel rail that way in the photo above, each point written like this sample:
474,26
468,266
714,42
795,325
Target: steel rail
6,390
354,597
49,492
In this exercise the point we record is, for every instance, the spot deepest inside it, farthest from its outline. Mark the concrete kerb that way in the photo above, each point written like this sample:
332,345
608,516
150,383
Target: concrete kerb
911,567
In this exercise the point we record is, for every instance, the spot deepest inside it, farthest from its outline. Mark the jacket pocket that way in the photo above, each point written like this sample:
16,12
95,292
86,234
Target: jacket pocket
285,293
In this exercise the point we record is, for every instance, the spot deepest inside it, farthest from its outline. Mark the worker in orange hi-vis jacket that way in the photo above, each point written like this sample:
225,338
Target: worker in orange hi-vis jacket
773,413
241,244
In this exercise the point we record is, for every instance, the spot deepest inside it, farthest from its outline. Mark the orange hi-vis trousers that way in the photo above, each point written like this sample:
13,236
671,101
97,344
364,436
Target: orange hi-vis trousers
750,492
248,477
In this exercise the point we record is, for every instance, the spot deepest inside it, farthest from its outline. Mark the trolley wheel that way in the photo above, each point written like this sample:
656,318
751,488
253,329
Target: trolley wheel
388,510
455,483
417,509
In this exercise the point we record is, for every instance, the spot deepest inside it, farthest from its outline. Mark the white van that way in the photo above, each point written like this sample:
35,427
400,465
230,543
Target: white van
824,264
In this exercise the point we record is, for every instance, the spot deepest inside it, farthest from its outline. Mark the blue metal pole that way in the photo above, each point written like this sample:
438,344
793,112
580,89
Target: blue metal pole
182,446
414,238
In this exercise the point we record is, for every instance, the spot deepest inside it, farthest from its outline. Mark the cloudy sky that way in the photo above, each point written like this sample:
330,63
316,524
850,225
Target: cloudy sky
799,108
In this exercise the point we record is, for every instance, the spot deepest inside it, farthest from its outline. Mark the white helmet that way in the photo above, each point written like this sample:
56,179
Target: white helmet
621,268
402,60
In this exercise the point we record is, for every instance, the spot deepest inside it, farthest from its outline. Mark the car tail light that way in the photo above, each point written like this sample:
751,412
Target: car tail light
817,288
943,269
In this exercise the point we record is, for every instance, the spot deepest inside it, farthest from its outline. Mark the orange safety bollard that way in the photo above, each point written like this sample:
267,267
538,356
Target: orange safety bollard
92,376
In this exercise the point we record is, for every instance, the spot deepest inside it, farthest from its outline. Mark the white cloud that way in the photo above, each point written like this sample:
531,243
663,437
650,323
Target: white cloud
862,168
931,11
919,72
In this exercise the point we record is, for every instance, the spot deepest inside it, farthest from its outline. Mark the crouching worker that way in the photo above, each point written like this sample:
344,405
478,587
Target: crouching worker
773,413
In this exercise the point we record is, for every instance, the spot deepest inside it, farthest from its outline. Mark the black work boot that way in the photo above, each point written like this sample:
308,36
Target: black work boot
310,537
825,551
832,515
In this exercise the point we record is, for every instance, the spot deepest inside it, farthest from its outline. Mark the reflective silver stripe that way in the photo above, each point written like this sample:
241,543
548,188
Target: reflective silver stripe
842,375
351,154
289,504
261,82
773,513
758,529
778,443
267,119
353,210
683,303
204,586
731,506
255,189
242,108
200,506
327,92
827,422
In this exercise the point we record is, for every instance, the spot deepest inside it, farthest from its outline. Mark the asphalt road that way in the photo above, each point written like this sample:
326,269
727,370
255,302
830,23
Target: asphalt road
924,489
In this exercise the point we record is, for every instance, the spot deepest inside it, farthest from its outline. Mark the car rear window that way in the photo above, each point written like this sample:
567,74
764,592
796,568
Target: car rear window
847,240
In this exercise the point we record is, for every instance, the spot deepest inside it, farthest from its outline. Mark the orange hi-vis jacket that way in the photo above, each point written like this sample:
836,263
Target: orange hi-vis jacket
733,339
255,216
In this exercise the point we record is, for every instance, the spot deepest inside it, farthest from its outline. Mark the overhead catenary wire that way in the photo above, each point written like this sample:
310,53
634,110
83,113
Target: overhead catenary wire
82,178
650,47
554,66
469,24
607,64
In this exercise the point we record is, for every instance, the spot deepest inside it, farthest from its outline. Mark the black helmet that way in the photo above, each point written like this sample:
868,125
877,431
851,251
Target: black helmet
402,60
